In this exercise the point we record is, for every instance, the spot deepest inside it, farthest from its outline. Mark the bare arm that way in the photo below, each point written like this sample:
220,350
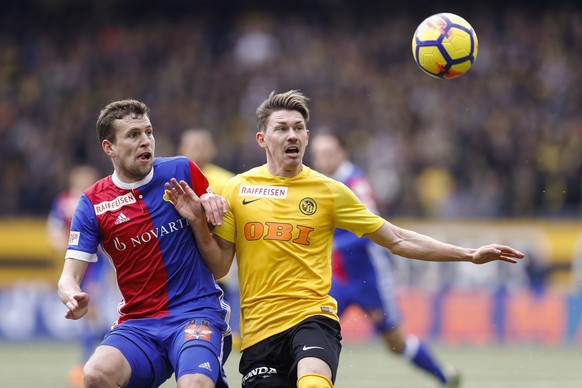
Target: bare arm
217,253
413,245
69,288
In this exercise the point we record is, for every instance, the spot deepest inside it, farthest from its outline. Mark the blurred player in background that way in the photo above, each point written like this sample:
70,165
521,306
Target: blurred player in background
173,317
198,145
280,223
361,269
98,280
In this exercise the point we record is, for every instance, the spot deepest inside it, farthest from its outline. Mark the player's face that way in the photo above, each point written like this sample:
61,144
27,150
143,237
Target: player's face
284,141
327,154
133,151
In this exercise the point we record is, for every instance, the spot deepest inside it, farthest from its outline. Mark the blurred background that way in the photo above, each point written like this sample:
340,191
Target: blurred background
495,155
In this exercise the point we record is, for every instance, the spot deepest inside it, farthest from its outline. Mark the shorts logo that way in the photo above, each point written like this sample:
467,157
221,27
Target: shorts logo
199,331
305,347
205,365
261,372
308,206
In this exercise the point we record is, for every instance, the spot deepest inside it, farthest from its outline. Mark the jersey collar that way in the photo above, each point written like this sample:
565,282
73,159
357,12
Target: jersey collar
134,185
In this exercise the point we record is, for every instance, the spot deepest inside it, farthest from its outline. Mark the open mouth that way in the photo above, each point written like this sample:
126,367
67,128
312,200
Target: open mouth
145,156
292,150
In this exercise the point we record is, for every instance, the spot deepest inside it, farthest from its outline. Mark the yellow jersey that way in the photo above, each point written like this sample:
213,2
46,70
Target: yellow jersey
283,231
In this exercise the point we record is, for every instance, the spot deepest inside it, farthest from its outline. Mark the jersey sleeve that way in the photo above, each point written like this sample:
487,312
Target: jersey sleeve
200,183
84,237
351,214
227,230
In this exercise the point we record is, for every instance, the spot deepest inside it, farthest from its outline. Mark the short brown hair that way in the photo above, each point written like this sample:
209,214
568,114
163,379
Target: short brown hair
116,111
290,100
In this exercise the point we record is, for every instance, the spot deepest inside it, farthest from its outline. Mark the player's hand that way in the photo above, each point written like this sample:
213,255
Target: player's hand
494,252
192,207
77,305
215,206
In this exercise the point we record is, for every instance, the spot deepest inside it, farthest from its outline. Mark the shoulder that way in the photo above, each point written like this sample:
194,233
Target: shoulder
100,186
253,172
162,160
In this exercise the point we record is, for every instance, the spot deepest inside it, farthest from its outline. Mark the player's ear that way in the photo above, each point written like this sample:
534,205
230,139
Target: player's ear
107,148
260,136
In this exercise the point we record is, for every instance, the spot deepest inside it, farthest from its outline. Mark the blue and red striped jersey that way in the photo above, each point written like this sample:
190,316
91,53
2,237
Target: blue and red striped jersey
159,268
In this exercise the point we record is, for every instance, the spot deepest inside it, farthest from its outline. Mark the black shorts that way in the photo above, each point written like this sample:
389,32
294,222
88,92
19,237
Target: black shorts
272,363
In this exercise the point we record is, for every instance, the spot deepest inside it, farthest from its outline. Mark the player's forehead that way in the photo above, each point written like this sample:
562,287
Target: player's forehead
285,117
132,122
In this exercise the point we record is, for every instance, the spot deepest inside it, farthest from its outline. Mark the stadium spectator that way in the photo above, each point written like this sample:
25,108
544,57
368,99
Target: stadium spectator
280,224
361,270
173,317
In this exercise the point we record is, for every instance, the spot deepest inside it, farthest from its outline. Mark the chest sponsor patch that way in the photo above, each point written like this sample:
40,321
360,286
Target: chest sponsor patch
262,191
117,203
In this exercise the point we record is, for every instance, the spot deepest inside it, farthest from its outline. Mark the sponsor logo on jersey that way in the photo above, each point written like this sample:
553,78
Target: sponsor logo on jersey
121,218
246,202
308,206
150,235
197,330
262,191
74,237
115,204
277,231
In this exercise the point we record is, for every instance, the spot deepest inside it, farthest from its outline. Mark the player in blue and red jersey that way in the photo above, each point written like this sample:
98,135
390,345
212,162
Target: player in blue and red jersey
173,316
361,268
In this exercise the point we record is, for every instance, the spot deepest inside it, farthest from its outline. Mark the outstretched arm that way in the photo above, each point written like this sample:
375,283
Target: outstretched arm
413,245
69,288
217,253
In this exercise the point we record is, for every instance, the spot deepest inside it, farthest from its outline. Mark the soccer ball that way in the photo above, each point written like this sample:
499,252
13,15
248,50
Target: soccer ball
445,46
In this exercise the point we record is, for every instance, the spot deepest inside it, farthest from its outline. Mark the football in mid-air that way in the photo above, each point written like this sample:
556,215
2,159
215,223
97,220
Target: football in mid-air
445,46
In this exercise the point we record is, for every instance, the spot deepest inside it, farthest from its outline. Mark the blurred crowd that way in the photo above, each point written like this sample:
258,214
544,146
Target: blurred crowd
504,140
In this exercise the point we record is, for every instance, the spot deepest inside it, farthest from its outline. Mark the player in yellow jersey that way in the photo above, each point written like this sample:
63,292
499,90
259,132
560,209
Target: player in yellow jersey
280,223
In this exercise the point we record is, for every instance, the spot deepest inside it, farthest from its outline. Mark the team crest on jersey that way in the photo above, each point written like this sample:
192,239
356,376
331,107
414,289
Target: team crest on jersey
308,206
196,330
166,196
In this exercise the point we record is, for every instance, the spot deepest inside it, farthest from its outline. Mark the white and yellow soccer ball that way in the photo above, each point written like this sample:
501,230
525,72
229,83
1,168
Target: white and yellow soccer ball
445,46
